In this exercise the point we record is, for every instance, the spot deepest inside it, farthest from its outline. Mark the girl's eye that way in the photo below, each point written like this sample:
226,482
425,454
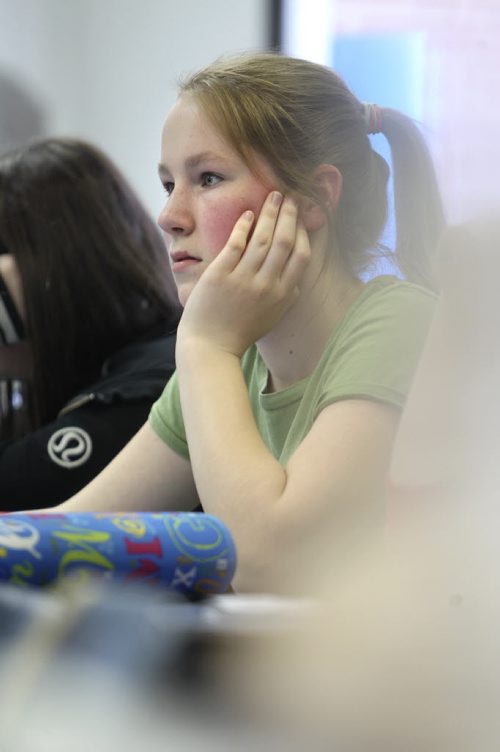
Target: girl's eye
168,187
210,178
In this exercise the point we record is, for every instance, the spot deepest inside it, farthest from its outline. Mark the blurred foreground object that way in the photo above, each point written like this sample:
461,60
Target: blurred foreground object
450,428
104,666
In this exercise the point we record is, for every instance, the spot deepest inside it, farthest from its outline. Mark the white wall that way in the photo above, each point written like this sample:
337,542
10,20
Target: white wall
106,69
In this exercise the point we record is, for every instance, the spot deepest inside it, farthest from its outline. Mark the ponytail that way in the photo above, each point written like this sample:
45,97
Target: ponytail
418,206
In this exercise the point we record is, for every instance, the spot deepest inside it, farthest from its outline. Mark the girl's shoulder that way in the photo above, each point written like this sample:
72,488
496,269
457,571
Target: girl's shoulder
388,297
389,318
374,350
390,287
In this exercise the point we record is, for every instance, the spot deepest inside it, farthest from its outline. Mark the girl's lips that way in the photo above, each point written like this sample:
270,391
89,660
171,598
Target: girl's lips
182,260
184,263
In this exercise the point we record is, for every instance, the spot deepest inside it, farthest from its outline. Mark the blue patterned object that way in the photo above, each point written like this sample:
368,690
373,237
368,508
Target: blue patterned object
189,552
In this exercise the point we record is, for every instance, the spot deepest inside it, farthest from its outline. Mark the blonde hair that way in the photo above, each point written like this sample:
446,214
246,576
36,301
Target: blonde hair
298,115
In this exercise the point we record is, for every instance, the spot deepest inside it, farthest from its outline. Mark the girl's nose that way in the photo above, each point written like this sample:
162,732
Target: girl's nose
175,217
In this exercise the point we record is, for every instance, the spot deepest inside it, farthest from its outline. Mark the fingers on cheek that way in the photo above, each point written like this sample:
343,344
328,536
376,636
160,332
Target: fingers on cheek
262,241
245,225
285,241
238,239
271,208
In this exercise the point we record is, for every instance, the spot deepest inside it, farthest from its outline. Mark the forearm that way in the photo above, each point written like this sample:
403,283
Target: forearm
237,477
146,476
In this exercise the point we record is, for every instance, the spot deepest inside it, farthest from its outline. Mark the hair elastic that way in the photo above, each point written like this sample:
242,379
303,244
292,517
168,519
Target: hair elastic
373,117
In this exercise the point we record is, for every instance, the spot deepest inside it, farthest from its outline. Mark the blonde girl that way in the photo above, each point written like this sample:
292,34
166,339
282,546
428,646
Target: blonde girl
291,368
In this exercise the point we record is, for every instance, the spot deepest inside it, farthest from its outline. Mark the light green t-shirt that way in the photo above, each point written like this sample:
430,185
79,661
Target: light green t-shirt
372,354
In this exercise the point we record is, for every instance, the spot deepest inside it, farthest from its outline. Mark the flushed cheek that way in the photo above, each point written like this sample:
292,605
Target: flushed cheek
219,220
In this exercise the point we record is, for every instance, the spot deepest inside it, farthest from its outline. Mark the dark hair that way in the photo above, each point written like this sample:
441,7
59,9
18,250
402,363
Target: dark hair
93,265
298,115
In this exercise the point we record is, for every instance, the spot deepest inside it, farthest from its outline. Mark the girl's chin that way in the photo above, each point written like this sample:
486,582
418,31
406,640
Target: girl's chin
183,293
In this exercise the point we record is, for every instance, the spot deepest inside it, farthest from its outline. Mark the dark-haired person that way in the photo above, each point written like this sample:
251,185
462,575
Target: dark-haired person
87,319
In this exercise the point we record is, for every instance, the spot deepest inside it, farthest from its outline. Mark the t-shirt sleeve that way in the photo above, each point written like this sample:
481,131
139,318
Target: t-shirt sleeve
166,418
377,354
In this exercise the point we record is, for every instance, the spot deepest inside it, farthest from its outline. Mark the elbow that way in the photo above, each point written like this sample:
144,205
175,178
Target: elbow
268,561
293,550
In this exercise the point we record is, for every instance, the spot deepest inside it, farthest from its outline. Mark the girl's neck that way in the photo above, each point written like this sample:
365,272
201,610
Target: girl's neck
292,350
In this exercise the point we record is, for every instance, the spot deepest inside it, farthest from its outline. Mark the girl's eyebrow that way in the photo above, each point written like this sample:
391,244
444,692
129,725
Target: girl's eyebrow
194,161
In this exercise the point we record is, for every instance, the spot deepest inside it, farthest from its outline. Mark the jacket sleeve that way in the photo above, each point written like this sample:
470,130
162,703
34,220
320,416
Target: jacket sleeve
51,464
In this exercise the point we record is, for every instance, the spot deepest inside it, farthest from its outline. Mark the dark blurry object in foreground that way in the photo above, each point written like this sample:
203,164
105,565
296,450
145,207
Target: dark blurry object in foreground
102,666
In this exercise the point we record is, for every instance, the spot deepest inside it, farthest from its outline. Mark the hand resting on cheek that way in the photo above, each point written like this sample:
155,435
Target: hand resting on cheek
247,289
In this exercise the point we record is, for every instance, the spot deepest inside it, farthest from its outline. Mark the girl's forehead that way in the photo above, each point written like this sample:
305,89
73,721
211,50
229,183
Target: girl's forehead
188,126
189,129
189,134
186,113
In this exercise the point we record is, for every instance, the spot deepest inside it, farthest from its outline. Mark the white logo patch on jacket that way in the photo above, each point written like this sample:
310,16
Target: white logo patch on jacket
70,447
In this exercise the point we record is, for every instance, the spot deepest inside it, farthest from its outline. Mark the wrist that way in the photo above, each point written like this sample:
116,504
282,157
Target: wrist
199,351
205,342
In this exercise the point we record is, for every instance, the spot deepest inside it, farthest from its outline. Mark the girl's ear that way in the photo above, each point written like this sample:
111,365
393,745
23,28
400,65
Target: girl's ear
328,180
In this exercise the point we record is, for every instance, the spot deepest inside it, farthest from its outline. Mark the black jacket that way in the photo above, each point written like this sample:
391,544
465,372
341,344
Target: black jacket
52,463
